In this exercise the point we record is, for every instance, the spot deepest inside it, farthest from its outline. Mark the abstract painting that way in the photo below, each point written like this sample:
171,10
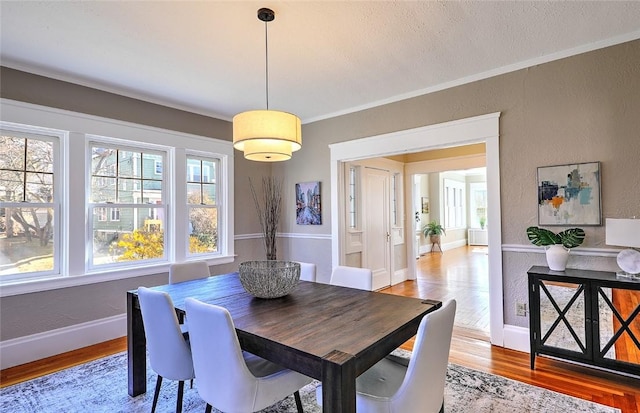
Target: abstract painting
569,194
308,206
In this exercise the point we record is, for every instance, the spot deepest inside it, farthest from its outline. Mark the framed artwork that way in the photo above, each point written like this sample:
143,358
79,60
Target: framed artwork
569,194
425,205
308,205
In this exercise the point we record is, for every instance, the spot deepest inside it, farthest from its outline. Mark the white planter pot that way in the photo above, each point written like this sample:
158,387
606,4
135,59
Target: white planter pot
557,256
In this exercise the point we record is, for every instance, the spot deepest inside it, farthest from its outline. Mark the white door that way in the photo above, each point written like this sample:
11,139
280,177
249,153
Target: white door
377,243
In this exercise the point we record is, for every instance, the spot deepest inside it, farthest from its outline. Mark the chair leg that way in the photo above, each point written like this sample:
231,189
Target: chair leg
207,409
442,407
156,393
180,393
296,396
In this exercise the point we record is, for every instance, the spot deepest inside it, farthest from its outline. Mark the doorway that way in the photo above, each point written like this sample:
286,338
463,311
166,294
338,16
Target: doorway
479,129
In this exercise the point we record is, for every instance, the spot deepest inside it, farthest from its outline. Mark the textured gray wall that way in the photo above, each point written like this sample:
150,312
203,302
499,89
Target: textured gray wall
32,313
579,109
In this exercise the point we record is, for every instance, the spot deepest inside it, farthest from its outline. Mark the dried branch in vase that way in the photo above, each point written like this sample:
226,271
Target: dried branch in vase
268,212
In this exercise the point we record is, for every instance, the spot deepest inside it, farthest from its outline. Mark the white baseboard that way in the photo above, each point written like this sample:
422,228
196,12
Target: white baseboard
399,276
516,338
49,343
423,249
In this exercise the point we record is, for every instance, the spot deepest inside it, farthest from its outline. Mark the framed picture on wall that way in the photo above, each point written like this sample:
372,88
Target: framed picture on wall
308,206
425,205
569,194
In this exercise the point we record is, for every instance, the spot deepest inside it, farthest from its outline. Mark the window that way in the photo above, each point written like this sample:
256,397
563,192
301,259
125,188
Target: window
394,199
101,214
110,205
478,204
202,196
115,214
124,180
29,211
454,201
353,179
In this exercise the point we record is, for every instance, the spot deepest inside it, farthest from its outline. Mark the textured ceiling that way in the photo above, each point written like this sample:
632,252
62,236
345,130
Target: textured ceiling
325,58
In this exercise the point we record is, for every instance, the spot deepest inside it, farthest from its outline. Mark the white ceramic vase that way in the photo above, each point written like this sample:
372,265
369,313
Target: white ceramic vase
557,256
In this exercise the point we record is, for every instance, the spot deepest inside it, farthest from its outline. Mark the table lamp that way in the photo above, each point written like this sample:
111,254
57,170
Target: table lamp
625,233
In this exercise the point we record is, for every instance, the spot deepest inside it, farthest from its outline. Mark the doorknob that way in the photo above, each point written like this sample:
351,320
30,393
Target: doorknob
388,236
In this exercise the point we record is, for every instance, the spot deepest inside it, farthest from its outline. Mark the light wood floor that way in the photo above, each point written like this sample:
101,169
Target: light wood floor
461,273
469,347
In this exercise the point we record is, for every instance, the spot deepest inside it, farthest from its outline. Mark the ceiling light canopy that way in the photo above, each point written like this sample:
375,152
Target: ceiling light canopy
267,135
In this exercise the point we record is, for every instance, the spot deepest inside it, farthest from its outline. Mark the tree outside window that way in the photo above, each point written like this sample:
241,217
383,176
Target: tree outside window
27,209
125,181
202,205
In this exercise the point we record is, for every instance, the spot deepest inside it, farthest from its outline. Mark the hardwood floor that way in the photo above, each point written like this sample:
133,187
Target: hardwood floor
461,273
469,347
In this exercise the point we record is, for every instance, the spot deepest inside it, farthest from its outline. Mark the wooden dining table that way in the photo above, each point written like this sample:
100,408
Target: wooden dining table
330,333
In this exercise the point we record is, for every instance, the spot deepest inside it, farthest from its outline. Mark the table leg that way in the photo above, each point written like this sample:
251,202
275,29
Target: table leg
136,348
338,383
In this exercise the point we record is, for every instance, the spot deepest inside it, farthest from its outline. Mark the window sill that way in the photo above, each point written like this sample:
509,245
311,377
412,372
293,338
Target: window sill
17,287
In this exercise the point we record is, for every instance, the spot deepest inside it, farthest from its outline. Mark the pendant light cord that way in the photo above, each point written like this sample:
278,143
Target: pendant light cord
266,61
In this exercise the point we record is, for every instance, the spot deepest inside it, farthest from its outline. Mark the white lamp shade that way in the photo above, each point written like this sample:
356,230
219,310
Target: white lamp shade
623,232
267,135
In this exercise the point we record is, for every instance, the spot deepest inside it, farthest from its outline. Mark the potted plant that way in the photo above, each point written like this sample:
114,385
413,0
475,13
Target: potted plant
483,221
433,230
558,245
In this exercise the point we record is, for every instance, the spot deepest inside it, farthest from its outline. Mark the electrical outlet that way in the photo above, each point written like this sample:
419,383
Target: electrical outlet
521,309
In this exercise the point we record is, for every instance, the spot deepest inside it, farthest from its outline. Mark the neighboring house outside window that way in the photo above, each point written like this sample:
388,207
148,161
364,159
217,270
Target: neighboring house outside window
116,205
134,194
202,196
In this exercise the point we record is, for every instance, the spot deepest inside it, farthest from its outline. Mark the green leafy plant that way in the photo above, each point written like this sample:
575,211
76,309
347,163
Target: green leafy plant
569,238
483,221
433,228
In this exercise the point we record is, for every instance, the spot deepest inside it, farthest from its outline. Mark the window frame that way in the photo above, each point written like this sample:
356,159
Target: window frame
116,207
454,191
56,137
73,220
219,177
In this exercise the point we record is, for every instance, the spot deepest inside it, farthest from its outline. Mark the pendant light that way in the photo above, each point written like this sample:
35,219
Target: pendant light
267,135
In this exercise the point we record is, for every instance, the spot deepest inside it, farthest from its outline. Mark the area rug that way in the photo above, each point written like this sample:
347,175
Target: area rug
101,386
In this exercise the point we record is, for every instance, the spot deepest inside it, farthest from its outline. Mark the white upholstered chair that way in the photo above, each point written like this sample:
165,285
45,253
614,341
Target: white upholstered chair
394,386
169,352
228,378
187,271
307,271
352,277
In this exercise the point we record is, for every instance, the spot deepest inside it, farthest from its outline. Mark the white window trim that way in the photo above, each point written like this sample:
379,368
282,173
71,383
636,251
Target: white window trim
184,253
454,185
57,137
134,147
73,268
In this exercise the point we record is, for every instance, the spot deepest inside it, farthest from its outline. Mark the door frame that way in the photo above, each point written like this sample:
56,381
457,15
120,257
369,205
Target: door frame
478,129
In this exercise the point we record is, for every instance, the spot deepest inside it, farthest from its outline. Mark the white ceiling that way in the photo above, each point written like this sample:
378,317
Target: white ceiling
325,58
